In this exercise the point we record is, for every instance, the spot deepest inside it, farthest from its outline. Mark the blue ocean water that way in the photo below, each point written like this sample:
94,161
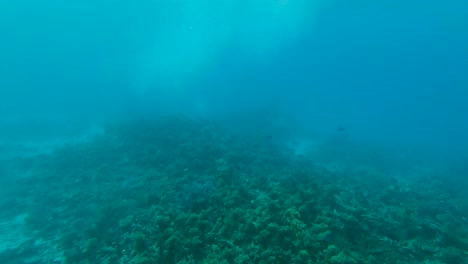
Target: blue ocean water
358,87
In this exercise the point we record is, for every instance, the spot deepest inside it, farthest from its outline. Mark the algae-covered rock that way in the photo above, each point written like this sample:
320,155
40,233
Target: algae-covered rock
177,190
455,230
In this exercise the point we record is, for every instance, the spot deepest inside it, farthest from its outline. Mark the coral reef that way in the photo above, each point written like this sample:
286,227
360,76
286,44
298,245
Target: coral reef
176,190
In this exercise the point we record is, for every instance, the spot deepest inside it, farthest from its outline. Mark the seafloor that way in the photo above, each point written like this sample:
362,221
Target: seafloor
176,190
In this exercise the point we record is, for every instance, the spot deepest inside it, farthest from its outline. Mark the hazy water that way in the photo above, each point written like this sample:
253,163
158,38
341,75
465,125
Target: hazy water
379,83
390,73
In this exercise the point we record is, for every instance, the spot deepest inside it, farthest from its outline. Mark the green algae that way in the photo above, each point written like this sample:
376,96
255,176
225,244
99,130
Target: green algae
176,190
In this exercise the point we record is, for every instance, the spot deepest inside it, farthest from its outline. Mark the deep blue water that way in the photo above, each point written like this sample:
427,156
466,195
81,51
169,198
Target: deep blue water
390,72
